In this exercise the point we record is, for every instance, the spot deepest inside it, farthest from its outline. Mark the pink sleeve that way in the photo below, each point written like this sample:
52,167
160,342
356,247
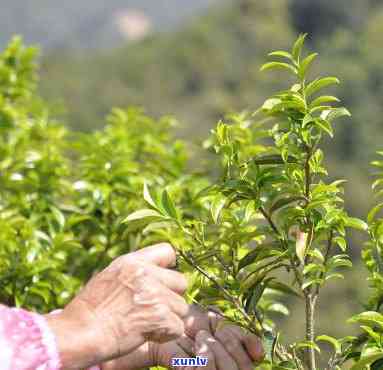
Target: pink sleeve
26,342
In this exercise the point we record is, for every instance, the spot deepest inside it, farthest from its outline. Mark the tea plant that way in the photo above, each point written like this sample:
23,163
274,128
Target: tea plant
369,345
63,194
271,210
270,224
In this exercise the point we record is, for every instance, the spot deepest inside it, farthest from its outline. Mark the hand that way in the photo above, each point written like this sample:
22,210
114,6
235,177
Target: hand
134,300
229,349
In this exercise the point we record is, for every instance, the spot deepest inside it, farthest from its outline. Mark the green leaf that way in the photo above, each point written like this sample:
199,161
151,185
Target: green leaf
341,242
355,223
308,344
323,99
278,65
216,208
273,159
334,113
334,276
373,335
252,255
248,259
59,217
320,83
310,282
285,365
370,318
142,213
282,54
325,126
316,253
374,211
282,287
271,103
296,87
377,365
148,198
307,119
256,295
312,267
157,226
278,308
42,292
297,47
367,360
333,341
305,64
168,205
283,202
339,261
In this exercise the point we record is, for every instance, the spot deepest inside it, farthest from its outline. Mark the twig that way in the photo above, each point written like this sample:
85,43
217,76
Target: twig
310,328
326,256
270,221
224,291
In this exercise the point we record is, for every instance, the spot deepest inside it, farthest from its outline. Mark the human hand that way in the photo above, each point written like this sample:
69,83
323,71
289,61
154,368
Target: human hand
134,300
227,347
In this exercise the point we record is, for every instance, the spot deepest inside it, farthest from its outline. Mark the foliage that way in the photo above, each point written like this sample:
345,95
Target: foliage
62,196
71,202
272,208
210,66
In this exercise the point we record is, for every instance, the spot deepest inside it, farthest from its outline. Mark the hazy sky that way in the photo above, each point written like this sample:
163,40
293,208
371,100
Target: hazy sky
87,23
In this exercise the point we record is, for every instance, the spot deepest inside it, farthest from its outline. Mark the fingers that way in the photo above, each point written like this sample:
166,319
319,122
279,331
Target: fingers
218,357
254,347
154,260
162,255
176,303
152,293
170,327
198,319
244,348
203,349
180,348
174,280
195,321
231,338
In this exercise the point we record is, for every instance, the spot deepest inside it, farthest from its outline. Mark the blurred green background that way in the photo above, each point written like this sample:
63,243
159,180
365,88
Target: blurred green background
199,60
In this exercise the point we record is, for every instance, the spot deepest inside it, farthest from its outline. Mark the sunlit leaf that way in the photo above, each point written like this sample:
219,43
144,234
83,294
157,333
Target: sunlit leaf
278,65
319,84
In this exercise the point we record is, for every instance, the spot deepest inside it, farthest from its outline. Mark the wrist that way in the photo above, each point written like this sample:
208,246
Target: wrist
76,340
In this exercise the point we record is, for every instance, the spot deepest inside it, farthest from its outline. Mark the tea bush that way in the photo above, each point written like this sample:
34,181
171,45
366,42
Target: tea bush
71,202
272,209
63,195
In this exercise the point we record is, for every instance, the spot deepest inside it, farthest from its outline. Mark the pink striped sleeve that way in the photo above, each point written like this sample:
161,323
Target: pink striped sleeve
26,341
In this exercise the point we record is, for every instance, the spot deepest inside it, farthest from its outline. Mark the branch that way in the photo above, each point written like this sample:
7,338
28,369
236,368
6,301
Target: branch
224,291
310,329
326,256
270,221
307,174
274,227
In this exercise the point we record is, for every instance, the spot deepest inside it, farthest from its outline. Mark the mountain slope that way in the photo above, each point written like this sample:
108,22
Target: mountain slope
86,23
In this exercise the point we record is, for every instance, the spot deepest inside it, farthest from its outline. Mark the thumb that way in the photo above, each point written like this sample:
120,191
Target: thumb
182,347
